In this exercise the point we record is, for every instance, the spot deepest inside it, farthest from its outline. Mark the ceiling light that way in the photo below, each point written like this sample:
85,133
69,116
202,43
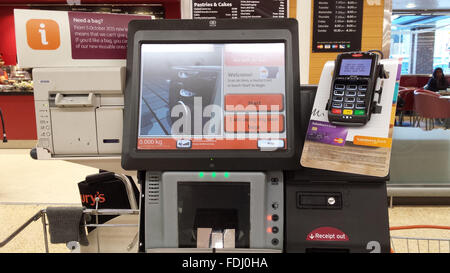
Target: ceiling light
411,5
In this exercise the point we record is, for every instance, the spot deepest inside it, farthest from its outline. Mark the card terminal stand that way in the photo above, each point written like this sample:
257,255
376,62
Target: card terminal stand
331,212
353,88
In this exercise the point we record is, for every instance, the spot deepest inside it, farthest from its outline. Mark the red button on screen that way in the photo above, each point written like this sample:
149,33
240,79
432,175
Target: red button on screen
336,111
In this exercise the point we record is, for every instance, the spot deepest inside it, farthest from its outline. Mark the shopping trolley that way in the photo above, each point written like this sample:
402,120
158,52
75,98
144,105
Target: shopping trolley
409,243
74,246
92,213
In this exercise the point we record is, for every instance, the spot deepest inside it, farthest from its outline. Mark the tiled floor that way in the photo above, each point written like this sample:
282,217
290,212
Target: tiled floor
24,180
432,215
27,186
31,240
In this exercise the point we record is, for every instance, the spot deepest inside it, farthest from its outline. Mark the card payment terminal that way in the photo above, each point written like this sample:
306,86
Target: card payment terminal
353,88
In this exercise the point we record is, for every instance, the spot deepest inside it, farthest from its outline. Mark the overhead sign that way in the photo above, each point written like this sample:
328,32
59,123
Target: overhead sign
337,25
234,9
68,38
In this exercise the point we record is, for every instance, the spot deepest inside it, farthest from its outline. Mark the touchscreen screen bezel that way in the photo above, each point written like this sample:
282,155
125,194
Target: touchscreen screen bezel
201,31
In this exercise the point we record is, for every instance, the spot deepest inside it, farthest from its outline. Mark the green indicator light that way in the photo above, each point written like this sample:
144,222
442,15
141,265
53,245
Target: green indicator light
213,175
226,175
201,174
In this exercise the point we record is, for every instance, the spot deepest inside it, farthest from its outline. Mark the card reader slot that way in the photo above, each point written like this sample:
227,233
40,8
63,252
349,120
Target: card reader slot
319,200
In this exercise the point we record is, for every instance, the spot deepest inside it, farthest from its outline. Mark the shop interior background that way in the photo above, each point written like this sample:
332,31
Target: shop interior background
417,31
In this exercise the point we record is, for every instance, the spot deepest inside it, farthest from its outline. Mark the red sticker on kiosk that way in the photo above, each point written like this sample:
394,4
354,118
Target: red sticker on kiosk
327,234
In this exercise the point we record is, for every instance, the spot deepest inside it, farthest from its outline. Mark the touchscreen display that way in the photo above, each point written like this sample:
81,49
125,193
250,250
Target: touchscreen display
227,96
355,67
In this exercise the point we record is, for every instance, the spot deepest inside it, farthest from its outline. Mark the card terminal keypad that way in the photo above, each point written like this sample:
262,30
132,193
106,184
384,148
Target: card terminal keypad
349,99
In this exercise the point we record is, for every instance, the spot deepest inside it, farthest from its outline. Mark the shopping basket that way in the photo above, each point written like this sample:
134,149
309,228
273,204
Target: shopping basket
414,239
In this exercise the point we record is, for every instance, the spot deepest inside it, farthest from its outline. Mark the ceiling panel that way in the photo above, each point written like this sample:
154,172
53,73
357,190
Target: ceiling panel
421,5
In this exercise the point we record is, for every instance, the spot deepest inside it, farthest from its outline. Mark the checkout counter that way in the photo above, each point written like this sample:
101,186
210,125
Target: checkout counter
230,182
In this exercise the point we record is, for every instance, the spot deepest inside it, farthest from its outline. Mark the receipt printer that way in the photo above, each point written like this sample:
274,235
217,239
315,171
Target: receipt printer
79,111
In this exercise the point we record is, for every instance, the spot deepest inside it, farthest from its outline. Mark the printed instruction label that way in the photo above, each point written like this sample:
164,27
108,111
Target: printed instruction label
98,35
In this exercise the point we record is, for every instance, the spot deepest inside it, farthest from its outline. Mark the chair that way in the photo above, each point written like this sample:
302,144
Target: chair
416,81
421,90
407,95
430,106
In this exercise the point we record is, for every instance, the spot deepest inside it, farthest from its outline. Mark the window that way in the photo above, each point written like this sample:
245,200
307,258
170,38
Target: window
422,41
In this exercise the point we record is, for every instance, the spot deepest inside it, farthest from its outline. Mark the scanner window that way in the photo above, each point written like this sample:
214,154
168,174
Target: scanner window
215,205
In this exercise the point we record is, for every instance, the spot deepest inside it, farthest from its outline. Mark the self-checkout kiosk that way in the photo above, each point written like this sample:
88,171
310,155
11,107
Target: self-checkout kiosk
211,116
232,180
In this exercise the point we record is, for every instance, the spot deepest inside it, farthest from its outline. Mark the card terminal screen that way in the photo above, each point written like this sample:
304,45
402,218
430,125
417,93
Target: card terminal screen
355,67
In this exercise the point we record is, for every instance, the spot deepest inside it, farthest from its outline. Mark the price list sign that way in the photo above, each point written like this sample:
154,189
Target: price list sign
234,9
337,25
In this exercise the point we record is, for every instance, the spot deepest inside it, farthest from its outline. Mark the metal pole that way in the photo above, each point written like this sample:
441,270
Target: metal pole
98,229
44,226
